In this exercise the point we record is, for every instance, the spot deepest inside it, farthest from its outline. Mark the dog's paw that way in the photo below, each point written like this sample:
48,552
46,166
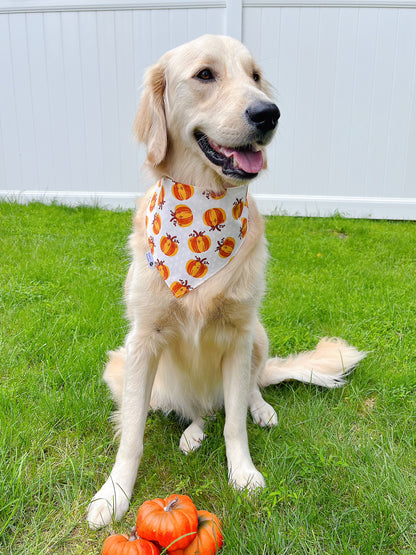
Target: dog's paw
249,479
191,439
264,415
111,502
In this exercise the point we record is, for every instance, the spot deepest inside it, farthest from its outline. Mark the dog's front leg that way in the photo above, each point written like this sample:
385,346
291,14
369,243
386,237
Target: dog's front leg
236,380
113,499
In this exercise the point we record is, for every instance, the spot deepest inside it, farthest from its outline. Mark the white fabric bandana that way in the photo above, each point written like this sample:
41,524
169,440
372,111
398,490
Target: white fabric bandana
193,233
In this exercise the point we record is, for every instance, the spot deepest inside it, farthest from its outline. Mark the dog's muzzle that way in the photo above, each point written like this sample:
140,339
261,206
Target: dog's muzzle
243,161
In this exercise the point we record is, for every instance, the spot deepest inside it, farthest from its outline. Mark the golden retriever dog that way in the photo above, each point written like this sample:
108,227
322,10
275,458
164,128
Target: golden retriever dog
195,343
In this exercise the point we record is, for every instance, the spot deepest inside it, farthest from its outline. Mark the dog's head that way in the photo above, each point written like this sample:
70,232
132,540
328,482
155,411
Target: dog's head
206,114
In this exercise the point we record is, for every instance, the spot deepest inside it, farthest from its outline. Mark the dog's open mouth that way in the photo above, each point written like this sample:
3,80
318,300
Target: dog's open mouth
241,162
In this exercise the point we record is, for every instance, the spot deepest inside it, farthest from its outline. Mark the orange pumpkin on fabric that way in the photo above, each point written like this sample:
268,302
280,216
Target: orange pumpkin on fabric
151,242
181,191
156,224
161,199
153,202
180,288
209,537
182,215
225,247
122,544
169,245
199,242
243,229
238,207
214,218
197,268
162,269
171,522
215,196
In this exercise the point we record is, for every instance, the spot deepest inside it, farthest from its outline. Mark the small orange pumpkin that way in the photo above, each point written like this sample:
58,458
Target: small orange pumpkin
208,539
169,522
162,269
214,218
238,208
197,268
156,224
182,215
199,242
181,191
225,247
180,288
122,544
169,245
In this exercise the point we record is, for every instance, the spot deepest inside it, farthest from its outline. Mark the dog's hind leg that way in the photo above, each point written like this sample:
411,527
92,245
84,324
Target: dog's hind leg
193,436
262,413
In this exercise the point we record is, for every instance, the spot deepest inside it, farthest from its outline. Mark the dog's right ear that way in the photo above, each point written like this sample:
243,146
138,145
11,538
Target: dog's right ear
150,123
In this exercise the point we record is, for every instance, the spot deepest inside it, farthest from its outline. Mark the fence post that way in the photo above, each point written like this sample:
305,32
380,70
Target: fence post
234,18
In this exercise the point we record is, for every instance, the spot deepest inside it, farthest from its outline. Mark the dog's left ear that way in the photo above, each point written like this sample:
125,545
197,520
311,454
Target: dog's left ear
150,123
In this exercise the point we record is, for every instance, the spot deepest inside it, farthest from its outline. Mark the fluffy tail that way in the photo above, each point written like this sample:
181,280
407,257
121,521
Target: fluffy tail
327,365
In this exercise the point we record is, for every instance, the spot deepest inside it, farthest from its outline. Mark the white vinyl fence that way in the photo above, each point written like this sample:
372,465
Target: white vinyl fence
344,74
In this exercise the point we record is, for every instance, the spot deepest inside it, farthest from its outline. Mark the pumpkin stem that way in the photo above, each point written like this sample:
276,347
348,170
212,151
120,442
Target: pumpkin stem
171,504
133,534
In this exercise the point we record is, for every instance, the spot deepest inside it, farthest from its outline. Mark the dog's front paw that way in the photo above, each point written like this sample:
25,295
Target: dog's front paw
249,479
191,438
111,502
264,414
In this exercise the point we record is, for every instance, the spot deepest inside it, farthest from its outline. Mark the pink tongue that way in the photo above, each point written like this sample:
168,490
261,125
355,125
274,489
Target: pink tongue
249,161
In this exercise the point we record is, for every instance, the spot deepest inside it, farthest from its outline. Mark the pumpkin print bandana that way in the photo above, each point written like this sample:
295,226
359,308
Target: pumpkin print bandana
192,233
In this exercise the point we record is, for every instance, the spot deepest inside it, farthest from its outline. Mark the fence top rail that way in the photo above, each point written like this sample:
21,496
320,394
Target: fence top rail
28,6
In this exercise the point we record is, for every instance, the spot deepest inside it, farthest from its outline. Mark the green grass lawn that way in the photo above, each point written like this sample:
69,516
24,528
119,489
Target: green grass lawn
341,464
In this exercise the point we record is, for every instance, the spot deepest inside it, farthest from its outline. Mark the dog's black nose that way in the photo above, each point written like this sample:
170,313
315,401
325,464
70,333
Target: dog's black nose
263,115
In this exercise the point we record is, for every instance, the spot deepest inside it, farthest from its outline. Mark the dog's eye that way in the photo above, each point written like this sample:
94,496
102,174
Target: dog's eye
256,76
205,75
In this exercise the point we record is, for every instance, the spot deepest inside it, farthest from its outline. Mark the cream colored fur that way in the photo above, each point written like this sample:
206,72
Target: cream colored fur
208,349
